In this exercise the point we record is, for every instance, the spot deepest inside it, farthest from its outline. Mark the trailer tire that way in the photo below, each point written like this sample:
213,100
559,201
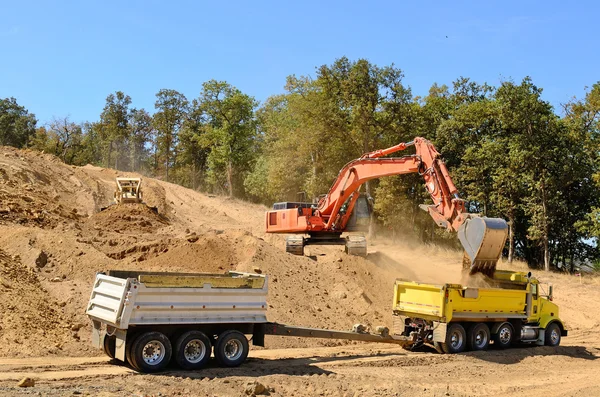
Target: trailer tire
456,339
478,337
192,350
552,335
128,356
231,348
151,351
504,336
109,345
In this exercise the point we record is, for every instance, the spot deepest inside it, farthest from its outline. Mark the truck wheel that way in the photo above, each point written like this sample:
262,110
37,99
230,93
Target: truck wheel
151,351
231,349
478,337
456,339
504,336
128,357
552,335
109,345
192,350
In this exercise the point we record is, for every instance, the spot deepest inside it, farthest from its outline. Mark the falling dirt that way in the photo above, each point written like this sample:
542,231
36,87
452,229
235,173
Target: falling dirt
54,238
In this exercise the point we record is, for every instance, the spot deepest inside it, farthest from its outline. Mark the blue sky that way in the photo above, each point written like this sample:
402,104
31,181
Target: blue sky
63,58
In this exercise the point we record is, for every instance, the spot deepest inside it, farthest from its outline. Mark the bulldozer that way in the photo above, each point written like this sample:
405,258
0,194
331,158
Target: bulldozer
344,208
128,190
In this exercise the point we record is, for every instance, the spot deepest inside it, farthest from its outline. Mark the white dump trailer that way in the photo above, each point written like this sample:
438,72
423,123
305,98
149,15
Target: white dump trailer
149,319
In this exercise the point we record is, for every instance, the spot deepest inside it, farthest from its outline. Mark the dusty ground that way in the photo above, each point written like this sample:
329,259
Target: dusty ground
53,239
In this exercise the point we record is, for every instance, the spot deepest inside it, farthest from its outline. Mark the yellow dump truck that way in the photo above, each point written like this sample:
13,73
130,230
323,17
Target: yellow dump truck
515,308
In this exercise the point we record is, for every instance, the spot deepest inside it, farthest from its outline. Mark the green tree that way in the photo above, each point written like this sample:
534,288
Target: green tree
171,111
231,133
17,125
114,128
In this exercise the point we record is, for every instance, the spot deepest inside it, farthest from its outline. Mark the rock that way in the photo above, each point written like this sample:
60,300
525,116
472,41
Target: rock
257,269
339,259
26,382
77,326
56,280
76,392
41,260
256,389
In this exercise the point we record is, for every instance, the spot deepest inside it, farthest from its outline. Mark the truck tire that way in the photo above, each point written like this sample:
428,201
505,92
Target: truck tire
192,350
478,337
456,339
109,345
231,349
504,336
151,352
128,357
552,335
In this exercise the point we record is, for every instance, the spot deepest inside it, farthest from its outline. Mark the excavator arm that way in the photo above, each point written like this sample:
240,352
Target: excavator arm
483,238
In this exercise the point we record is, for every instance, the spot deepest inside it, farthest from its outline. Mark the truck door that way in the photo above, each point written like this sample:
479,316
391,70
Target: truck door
535,302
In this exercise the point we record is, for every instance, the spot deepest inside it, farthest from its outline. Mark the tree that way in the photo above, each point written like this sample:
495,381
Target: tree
17,125
228,116
141,133
171,111
114,127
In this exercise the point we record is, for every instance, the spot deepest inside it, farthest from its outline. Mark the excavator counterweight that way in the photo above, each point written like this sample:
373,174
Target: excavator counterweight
482,238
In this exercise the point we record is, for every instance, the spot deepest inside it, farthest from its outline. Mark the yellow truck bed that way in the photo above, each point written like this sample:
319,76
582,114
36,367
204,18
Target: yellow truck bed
453,302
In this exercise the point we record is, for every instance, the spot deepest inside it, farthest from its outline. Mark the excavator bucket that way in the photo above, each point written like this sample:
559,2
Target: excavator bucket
483,240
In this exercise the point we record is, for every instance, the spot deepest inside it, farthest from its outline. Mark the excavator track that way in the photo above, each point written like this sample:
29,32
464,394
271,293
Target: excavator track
294,245
356,245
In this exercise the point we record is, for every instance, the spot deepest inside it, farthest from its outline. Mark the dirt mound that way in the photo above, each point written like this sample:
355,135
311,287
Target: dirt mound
127,219
32,322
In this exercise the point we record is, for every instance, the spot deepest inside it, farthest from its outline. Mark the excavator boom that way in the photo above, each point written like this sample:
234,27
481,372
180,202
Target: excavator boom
483,239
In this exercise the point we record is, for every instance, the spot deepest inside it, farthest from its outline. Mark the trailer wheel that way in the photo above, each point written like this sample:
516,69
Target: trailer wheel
478,337
128,356
456,339
552,335
231,349
192,350
504,336
151,351
109,345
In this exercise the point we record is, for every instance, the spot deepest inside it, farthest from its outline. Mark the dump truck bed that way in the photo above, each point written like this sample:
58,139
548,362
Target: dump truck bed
454,302
121,298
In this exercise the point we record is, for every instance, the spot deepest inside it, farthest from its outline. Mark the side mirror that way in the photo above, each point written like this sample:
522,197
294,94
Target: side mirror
529,275
550,290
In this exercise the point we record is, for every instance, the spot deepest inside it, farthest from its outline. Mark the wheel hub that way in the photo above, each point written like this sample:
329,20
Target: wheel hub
233,349
505,335
194,351
153,352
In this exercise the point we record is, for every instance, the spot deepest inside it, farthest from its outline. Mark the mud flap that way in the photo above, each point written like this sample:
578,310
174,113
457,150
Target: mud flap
121,337
97,334
439,332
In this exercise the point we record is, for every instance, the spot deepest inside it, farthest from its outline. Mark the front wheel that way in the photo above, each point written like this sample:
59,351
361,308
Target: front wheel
192,350
504,336
456,339
231,349
552,335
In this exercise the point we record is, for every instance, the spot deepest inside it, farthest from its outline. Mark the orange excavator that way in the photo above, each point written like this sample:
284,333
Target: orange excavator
345,209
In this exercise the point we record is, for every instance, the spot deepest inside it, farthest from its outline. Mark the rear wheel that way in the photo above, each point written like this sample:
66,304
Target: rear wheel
456,339
552,335
192,350
478,337
151,351
128,348
109,345
231,349
504,336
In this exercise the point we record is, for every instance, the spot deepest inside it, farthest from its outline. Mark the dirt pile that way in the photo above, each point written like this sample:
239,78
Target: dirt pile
31,319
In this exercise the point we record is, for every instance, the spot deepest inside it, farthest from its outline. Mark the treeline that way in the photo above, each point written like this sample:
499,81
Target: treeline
510,153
